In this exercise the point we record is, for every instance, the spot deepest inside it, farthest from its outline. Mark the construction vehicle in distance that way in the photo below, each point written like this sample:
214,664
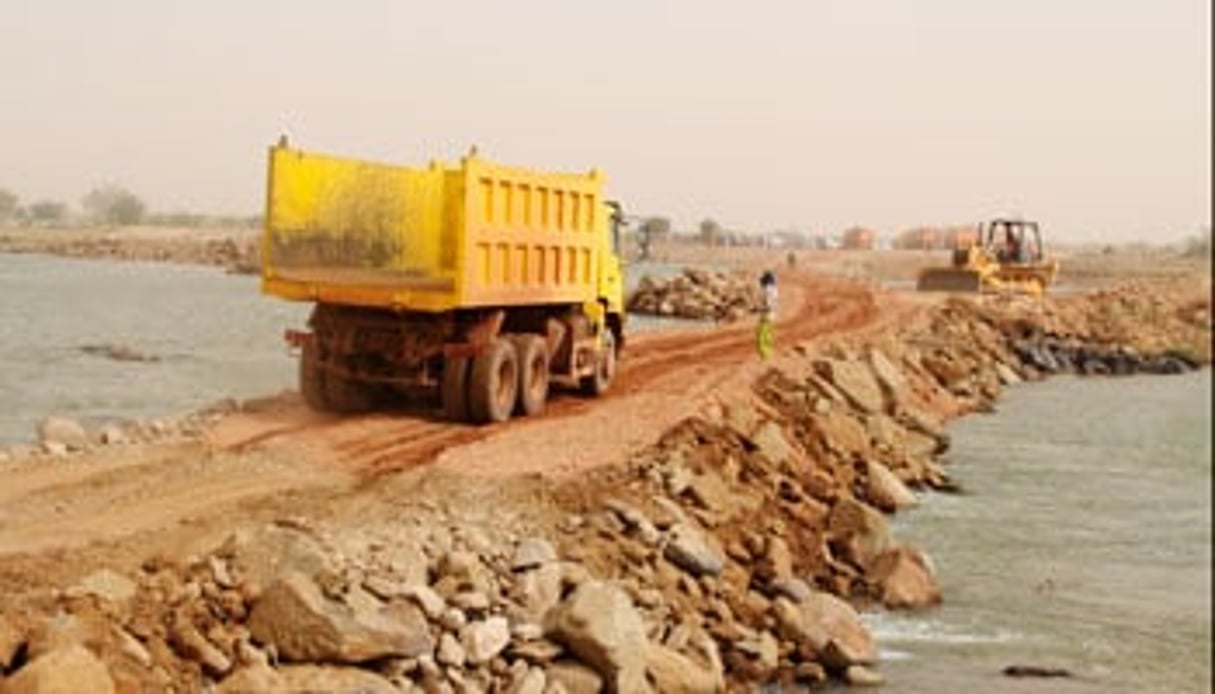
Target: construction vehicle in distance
1007,256
482,283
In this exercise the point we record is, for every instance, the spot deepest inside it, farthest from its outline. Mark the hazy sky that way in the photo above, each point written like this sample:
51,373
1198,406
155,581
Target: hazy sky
1093,116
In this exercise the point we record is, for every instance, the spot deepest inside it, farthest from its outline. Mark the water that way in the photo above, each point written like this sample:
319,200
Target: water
1083,542
214,336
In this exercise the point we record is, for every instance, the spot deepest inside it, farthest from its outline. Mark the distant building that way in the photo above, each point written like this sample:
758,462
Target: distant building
859,238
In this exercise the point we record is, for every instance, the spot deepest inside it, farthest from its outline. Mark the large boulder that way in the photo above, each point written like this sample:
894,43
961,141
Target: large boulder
855,380
829,626
483,640
772,444
906,578
889,377
885,490
600,626
274,550
61,431
675,673
858,532
303,625
66,670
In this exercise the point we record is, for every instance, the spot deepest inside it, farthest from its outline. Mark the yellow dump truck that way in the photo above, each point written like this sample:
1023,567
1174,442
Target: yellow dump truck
480,283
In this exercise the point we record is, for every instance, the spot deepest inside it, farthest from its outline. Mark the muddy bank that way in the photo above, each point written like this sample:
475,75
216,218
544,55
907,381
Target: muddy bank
733,551
237,250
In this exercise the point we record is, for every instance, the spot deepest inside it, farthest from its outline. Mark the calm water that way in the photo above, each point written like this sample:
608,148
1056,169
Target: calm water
214,336
1083,542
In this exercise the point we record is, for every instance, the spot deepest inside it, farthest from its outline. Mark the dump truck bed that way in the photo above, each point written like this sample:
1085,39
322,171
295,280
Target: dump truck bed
351,232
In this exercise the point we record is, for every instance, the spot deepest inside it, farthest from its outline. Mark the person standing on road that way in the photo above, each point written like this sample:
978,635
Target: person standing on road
764,334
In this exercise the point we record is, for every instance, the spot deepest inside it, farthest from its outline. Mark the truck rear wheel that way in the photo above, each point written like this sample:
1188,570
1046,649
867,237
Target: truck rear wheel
455,389
495,382
605,367
326,391
533,373
312,378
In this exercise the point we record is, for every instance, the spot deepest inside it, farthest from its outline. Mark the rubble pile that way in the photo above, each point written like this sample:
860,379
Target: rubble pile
698,295
734,552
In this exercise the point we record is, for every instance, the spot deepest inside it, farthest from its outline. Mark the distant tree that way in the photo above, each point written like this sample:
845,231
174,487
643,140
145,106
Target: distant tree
8,205
1199,246
658,227
711,232
113,205
47,211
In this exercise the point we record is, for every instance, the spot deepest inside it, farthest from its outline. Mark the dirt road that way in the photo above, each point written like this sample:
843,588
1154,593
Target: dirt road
118,505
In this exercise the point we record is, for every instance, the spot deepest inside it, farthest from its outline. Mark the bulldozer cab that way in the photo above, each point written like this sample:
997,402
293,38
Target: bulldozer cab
1013,241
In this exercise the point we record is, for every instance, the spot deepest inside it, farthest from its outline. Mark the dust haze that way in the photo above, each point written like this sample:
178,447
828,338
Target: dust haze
1093,117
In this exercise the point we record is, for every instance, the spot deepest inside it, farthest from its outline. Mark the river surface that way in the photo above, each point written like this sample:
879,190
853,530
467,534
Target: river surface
209,336
1082,541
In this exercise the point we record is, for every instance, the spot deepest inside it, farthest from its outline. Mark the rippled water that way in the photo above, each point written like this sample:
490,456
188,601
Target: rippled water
1082,541
213,335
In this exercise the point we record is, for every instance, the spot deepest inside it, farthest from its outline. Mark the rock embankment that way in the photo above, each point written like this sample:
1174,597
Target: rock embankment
734,551
238,252
698,295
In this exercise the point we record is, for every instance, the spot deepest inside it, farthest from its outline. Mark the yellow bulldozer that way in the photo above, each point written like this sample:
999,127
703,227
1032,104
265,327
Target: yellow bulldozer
1005,256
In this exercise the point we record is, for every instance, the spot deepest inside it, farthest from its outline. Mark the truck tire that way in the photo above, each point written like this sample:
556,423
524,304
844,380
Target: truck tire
533,374
455,389
348,396
325,391
494,383
312,378
605,368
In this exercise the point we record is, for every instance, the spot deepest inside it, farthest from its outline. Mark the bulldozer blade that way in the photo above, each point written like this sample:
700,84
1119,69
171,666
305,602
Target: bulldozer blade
949,280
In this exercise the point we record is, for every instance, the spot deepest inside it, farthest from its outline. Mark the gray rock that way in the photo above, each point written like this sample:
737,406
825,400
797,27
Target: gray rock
538,590
304,625
426,598
571,677
861,676
860,531
471,601
907,578
71,668
693,551
600,626
485,639
531,553
450,651
112,435
66,432
829,626
795,589
886,490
